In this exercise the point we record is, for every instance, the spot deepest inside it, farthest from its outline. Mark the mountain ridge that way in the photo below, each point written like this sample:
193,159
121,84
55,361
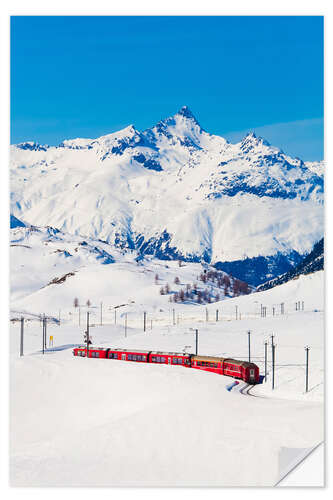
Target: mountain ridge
174,190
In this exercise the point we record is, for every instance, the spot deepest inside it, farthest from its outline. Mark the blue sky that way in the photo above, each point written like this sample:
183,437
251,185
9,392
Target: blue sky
89,76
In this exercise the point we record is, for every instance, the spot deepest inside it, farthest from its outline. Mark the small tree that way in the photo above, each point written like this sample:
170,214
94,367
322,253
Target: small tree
177,280
167,288
179,263
162,290
76,302
88,303
156,279
182,295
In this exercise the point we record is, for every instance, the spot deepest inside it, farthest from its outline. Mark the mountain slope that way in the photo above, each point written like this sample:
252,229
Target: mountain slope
174,191
313,262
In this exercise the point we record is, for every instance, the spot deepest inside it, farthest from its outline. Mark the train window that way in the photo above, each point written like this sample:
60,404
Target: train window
134,357
153,358
162,359
158,359
129,357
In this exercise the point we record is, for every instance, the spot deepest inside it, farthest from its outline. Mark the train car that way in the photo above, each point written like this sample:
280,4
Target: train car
207,363
94,352
249,372
140,356
170,358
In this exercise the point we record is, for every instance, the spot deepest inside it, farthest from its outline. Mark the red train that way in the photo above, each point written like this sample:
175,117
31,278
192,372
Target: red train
249,372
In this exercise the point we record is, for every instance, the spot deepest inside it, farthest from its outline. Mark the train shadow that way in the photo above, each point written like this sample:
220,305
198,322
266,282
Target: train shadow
58,348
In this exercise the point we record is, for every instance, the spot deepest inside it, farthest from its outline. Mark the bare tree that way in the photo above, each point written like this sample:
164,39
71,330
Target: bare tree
76,302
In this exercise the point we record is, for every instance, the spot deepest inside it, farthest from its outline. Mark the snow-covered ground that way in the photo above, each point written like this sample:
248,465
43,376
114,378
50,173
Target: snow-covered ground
89,422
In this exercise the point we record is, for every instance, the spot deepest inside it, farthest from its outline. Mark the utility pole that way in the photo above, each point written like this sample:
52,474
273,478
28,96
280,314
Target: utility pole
196,342
88,334
144,320
217,315
22,333
282,307
125,324
43,343
273,365
101,313
266,343
307,348
115,316
236,311
249,339
273,311
173,317
79,316
59,316
206,314
302,305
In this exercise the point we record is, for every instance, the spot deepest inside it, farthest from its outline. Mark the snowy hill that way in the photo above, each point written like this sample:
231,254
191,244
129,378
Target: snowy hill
176,192
70,415
49,268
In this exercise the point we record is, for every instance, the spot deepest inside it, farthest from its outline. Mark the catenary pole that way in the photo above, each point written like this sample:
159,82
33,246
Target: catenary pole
43,324
196,342
307,369
249,341
266,343
273,366
88,334
22,333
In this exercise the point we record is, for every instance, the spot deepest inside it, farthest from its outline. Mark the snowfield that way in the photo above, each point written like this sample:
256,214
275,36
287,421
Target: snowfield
88,422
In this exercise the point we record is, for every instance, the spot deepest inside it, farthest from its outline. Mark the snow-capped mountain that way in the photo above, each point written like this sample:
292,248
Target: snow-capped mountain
176,191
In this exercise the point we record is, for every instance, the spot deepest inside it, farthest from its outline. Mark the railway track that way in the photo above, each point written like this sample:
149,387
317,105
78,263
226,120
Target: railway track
246,391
